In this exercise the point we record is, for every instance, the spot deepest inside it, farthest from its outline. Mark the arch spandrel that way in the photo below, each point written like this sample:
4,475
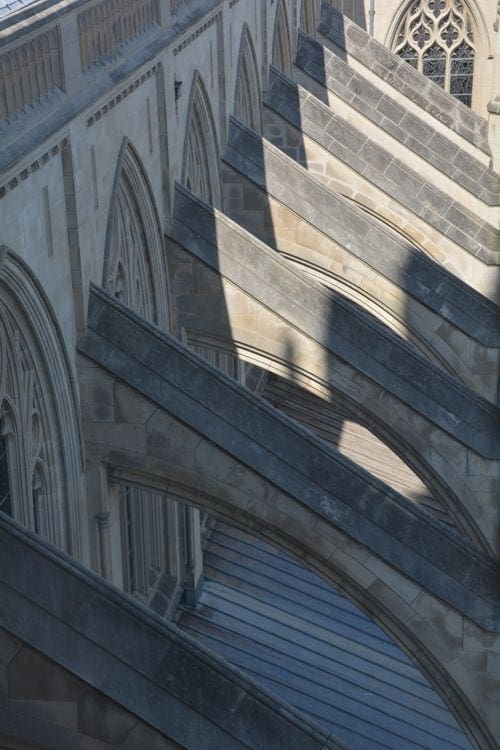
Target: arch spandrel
38,414
134,266
201,162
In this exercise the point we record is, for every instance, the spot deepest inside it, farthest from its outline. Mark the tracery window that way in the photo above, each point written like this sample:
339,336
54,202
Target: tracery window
5,503
148,532
201,161
40,457
247,97
436,37
134,271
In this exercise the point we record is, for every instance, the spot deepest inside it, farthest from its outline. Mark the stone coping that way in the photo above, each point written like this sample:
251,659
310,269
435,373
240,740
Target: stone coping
331,72
286,456
349,37
337,324
136,658
316,120
429,283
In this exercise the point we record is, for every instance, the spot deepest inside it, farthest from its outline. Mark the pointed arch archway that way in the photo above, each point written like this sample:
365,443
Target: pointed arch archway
134,265
41,460
201,163
282,48
446,40
247,97
307,19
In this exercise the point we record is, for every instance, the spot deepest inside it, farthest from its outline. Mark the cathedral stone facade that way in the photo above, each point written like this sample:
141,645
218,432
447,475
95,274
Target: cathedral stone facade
249,374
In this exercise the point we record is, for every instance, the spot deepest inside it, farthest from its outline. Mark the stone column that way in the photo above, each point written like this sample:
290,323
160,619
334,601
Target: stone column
103,532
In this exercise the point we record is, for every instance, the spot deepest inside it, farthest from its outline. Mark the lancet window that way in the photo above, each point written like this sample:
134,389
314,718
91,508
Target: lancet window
148,533
134,270
201,161
437,38
247,99
28,484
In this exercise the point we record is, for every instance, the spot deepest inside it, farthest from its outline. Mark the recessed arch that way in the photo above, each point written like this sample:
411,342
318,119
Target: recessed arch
446,40
39,413
282,48
201,163
134,265
247,97
307,20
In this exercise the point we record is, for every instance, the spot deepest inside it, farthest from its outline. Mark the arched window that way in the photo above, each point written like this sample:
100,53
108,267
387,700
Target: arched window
437,38
201,171
308,17
247,100
282,51
40,454
134,270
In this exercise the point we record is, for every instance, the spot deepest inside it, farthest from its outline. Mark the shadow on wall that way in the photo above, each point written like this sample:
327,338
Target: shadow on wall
201,298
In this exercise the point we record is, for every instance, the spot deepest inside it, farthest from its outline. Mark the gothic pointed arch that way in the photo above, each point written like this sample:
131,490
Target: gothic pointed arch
134,265
247,98
441,39
201,164
282,48
40,447
307,19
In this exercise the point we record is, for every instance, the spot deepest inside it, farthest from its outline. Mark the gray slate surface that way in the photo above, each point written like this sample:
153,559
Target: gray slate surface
290,458
136,658
293,633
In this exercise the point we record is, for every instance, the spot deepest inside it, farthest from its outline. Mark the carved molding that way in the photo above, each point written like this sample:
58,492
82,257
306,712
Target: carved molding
29,72
38,414
103,28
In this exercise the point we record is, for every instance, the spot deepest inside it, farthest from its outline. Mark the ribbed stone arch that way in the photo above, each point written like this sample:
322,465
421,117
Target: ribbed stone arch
201,163
247,97
134,264
282,48
38,414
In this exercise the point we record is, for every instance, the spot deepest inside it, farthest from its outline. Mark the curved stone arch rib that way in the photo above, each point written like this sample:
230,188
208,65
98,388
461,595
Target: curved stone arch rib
39,410
247,98
201,162
134,265
282,48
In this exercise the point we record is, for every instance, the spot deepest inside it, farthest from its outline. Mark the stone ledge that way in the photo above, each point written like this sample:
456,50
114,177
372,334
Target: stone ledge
433,286
316,120
349,37
330,71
